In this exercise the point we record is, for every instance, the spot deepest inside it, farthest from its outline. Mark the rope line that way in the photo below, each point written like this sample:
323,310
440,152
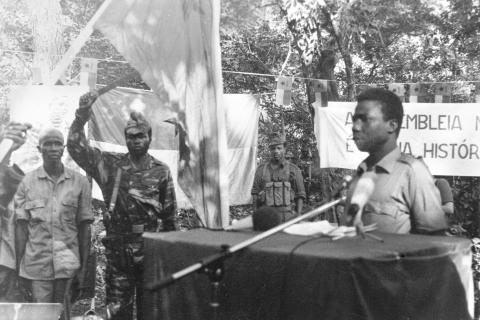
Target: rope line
274,75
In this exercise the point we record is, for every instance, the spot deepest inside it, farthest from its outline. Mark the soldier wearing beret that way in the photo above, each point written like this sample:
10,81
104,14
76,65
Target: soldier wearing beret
279,183
138,191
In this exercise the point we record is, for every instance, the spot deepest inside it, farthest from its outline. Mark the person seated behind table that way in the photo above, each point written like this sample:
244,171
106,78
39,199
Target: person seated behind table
446,195
278,182
10,177
404,198
263,218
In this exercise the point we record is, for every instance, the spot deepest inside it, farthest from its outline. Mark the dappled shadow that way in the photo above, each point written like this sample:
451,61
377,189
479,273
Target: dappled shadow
175,47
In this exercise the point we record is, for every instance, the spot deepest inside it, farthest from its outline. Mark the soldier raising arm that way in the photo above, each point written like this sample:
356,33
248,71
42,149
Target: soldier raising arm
138,190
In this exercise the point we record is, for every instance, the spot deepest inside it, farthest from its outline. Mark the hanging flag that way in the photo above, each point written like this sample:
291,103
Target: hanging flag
55,107
284,91
37,75
320,88
88,72
477,91
175,46
398,89
443,92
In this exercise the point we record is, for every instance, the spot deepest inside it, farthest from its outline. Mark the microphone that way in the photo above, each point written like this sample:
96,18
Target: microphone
362,192
265,218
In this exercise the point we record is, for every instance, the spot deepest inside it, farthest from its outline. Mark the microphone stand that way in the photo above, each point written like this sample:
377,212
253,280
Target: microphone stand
213,265
360,228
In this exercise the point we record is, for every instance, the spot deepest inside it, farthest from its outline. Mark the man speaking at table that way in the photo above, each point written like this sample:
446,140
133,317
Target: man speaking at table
404,198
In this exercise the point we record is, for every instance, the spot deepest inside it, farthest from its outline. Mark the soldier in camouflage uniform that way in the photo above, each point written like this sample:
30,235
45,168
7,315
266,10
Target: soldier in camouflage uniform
139,192
279,184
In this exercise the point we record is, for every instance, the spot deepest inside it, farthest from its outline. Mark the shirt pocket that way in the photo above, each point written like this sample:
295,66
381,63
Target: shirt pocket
36,208
390,210
69,210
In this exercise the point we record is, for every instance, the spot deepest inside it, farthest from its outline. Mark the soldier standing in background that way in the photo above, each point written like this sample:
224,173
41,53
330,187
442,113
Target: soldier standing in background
279,184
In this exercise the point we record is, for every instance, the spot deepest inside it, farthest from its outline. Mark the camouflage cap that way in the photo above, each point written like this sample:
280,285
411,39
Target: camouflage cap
276,140
138,121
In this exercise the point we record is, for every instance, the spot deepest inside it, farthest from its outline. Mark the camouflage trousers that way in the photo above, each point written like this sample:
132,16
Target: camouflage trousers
124,278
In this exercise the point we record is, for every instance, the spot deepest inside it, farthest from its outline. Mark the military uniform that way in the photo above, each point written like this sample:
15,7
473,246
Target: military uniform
278,187
144,201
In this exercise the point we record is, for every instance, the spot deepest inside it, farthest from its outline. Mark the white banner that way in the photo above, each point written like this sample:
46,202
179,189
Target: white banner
54,106
446,135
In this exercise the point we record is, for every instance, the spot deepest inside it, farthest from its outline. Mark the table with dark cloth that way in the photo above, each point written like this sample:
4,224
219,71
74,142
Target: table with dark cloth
296,277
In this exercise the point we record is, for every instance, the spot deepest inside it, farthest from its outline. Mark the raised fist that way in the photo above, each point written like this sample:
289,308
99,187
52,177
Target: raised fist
86,101
16,132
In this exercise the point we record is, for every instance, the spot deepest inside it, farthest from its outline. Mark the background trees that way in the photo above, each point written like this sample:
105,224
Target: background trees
349,41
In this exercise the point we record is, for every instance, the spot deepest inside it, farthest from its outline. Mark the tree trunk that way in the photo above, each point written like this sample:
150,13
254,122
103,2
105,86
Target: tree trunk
347,58
326,67
47,26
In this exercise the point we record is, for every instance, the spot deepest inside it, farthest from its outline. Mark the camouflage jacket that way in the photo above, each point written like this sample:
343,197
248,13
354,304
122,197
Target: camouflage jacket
145,196
10,178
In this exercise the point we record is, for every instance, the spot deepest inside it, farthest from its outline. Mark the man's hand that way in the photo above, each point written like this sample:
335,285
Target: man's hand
85,105
16,132
86,101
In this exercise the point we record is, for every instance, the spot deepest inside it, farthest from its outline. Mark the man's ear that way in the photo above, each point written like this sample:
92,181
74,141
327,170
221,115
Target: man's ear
393,125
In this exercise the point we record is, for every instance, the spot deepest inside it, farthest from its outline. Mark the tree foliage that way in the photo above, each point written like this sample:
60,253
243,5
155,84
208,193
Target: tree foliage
349,41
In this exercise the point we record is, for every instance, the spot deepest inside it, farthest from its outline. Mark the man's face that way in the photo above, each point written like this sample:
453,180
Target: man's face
51,150
277,152
137,141
370,131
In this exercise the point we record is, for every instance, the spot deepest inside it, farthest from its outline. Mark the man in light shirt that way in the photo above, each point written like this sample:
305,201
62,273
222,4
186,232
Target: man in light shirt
53,217
405,199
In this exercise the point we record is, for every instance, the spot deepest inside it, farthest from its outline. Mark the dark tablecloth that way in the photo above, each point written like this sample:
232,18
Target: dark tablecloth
295,277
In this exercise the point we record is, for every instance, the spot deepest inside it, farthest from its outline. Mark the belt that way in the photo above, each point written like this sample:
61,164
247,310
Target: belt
135,232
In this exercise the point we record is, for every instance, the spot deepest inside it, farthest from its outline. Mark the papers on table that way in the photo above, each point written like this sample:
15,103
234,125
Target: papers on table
324,228
310,228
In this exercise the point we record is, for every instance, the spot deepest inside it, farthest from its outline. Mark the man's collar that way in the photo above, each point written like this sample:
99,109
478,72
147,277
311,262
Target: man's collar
386,163
125,163
281,163
42,174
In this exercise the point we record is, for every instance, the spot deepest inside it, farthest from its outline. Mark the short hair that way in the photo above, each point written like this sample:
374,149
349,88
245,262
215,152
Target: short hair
392,107
265,218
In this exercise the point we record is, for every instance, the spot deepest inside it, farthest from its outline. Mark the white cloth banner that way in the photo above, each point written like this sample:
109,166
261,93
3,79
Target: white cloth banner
54,106
175,46
446,135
